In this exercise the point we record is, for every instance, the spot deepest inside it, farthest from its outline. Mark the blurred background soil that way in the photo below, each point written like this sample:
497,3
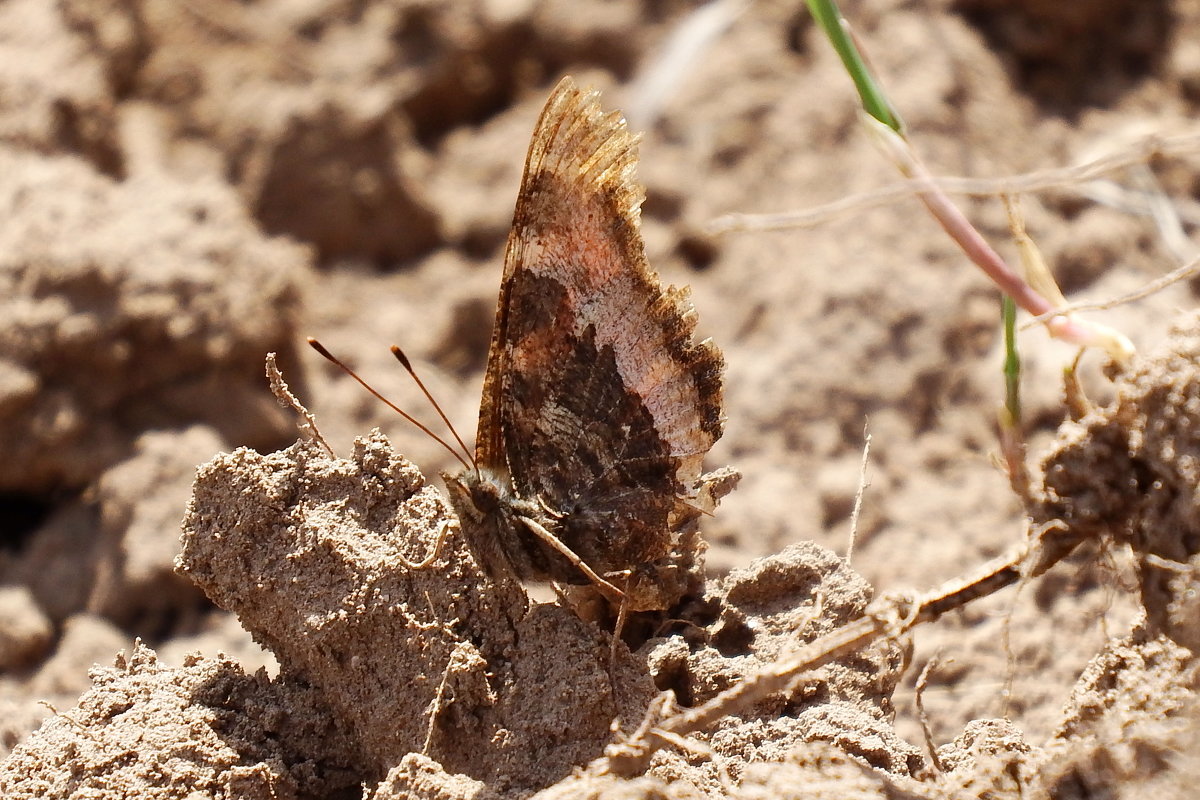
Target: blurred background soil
186,186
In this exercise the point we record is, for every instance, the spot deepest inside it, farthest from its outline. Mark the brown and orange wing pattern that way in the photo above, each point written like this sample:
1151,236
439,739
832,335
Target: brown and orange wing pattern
597,400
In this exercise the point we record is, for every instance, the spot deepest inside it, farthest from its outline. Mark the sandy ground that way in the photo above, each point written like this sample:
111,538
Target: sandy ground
188,186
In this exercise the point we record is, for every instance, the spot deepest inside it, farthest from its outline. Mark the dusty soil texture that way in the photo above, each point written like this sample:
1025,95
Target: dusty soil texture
188,186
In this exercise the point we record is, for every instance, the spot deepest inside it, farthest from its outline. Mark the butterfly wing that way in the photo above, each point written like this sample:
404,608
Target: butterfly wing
597,401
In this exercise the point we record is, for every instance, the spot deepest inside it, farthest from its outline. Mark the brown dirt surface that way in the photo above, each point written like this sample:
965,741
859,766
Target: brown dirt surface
189,185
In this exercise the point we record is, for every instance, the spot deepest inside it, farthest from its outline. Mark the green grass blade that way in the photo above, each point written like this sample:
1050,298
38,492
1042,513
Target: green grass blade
1012,363
827,15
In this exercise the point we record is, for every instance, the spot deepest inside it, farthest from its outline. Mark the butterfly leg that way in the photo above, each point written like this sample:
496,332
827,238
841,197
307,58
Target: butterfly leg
443,529
622,618
610,592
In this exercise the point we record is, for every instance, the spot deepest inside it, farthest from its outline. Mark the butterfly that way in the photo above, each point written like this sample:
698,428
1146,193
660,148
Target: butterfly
598,404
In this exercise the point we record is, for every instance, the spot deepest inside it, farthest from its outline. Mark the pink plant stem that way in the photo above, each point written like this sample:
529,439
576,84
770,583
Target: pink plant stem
973,244
978,250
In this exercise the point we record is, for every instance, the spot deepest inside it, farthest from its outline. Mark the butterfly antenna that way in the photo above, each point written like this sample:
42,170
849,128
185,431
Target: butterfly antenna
403,359
320,348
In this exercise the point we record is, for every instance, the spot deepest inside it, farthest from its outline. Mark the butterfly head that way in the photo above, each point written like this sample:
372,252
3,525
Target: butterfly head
484,503
475,495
